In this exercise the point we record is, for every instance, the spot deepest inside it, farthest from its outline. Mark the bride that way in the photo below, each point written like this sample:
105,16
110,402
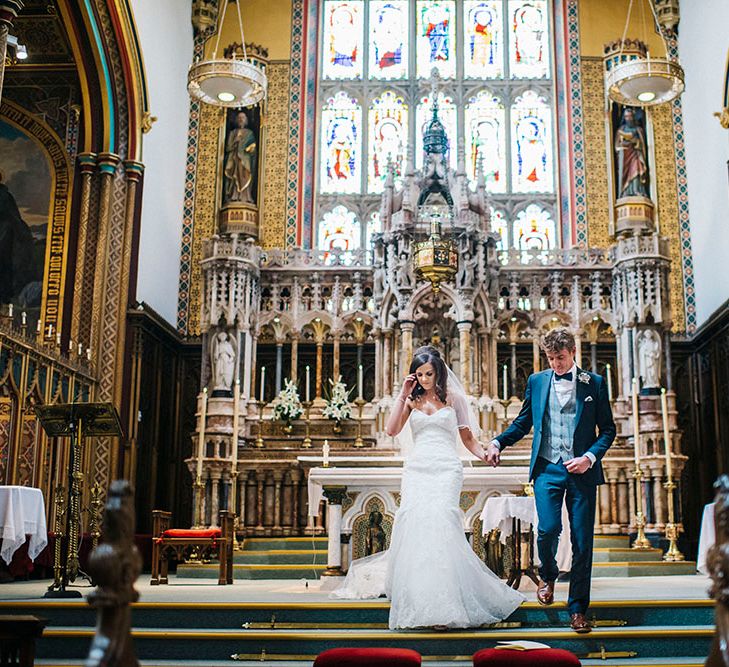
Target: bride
430,573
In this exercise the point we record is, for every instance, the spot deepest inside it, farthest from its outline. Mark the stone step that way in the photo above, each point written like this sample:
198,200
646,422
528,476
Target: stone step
648,568
612,554
281,557
279,543
262,571
611,541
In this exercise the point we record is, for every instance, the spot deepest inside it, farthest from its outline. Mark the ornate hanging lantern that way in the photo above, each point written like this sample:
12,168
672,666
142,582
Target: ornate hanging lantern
641,80
227,82
435,259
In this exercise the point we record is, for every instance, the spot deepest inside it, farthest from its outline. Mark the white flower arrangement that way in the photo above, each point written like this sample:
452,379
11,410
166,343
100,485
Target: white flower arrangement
338,406
287,405
584,377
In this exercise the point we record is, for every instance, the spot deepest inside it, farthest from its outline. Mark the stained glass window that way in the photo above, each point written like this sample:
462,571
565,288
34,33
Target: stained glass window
436,37
483,48
500,225
388,136
374,225
534,229
388,31
341,142
448,115
531,144
343,35
486,143
528,39
339,230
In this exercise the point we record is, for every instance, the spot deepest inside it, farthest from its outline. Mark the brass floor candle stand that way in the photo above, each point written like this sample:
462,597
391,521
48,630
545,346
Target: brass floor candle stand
672,554
641,541
233,504
358,441
259,439
306,444
75,421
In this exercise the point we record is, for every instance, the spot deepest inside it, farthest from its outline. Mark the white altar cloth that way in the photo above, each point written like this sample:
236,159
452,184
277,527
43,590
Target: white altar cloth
22,512
707,537
499,511
505,479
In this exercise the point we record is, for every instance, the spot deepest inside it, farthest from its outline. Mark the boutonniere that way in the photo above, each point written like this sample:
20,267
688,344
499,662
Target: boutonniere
584,377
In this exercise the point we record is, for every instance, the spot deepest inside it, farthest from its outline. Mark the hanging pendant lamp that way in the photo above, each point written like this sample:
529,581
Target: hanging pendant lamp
227,82
644,81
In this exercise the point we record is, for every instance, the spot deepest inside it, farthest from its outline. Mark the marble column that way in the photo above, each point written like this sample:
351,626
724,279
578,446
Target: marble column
294,358
335,496
578,350
464,341
406,349
247,362
485,357
279,365
277,481
536,359
319,363
378,365
335,356
215,498
387,364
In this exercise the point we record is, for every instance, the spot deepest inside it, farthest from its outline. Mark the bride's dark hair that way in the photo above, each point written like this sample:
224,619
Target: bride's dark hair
429,355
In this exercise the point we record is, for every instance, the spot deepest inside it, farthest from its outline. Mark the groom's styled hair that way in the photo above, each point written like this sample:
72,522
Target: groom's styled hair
558,339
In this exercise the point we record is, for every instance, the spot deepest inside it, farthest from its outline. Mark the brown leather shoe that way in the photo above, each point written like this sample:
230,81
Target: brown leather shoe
579,623
545,592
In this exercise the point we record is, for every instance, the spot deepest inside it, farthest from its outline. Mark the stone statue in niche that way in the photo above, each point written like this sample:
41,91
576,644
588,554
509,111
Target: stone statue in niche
222,361
241,161
631,155
649,354
375,539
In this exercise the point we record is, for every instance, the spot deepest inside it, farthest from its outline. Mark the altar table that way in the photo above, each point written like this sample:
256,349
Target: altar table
707,537
22,512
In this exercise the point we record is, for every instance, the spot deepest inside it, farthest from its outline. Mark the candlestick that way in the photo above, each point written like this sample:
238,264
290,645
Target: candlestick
70,346
641,541
80,349
38,326
201,437
358,441
325,454
233,504
308,384
10,310
263,382
506,383
88,353
360,382
23,318
609,382
672,529
306,444
58,338
259,439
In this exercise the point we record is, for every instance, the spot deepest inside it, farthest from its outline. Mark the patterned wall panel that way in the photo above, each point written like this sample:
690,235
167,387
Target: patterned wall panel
596,168
272,229
211,119
668,207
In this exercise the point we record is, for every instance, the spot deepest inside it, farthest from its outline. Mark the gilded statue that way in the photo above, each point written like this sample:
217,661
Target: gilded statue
630,155
375,539
241,157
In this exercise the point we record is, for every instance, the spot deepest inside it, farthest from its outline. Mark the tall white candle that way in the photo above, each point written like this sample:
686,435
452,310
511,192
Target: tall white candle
23,318
636,423
263,382
236,419
80,349
666,435
308,383
506,383
38,326
360,382
201,439
10,310
88,353
609,382
58,338
325,454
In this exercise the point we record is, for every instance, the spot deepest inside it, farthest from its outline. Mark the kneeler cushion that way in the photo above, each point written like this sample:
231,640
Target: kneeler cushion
544,657
188,533
364,657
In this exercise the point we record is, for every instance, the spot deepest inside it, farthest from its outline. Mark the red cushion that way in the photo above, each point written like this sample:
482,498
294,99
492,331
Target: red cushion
544,657
190,534
363,657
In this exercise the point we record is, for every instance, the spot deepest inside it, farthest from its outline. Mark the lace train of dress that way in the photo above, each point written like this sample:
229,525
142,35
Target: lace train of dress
430,573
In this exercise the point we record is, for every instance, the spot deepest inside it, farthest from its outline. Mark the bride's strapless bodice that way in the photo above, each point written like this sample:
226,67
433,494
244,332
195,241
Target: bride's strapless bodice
434,431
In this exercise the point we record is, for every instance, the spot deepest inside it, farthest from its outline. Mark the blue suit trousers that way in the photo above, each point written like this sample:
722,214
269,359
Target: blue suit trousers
552,485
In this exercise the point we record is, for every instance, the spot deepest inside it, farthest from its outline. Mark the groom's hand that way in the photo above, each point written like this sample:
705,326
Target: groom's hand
493,455
578,465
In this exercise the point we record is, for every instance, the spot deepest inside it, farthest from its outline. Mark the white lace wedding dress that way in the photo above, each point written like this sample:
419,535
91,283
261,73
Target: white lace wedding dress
430,573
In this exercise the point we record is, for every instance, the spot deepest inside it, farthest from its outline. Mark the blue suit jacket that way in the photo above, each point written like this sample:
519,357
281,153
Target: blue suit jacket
594,425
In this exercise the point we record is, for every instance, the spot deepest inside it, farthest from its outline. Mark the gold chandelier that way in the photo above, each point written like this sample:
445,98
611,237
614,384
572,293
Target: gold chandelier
436,258
227,82
642,80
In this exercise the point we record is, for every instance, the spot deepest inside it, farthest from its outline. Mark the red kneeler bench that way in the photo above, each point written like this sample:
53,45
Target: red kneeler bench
544,657
179,543
368,657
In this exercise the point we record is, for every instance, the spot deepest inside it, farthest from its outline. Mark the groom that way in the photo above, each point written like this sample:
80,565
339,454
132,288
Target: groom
573,428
